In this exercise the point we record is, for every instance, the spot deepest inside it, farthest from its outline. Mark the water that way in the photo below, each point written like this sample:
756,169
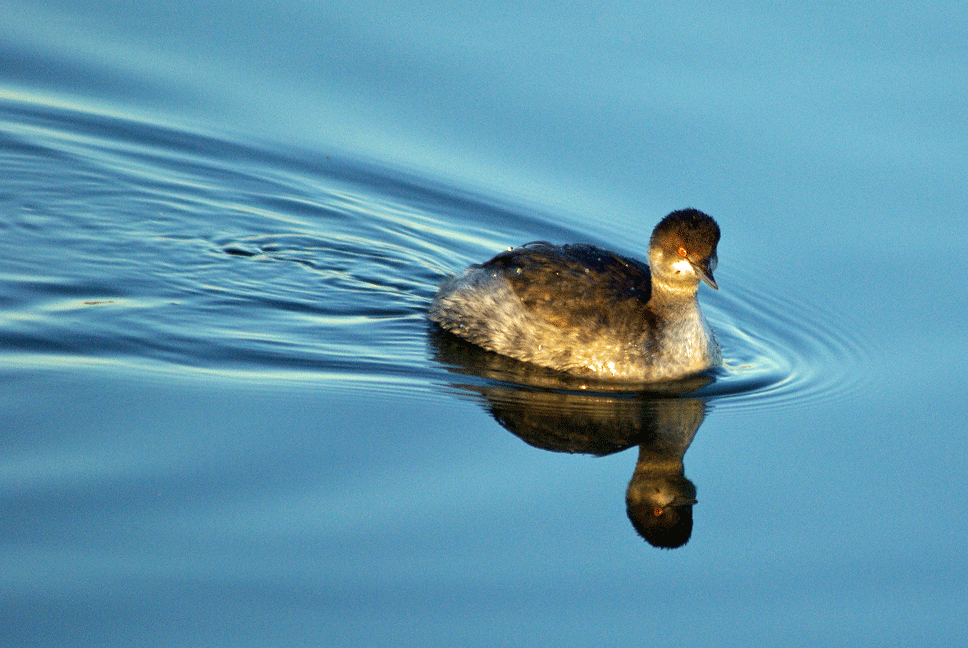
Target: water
226,421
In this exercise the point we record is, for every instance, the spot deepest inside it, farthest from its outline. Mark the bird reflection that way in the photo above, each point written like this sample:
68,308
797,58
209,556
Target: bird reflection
560,413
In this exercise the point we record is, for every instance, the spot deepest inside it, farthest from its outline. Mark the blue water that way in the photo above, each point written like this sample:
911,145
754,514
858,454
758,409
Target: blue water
225,421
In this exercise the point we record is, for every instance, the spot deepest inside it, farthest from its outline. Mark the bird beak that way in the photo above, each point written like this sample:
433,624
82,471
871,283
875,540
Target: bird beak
705,272
683,501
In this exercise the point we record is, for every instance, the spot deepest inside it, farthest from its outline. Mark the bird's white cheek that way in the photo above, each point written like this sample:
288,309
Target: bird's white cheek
683,267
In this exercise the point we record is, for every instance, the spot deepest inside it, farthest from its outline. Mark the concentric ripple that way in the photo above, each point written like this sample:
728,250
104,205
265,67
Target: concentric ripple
781,352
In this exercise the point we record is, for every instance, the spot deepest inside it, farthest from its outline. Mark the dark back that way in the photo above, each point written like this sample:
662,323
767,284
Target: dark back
578,286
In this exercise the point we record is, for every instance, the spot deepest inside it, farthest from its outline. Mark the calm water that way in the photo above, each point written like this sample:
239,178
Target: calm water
226,422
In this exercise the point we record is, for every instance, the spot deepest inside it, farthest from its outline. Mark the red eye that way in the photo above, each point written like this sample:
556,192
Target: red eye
682,251
657,511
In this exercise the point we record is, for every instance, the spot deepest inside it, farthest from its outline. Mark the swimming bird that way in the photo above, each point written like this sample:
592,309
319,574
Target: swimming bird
590,312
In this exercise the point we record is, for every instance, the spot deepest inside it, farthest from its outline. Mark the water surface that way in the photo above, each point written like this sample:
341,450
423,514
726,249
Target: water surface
226,421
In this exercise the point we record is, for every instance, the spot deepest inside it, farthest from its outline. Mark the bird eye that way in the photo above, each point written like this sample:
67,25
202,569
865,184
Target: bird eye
682,252
657,511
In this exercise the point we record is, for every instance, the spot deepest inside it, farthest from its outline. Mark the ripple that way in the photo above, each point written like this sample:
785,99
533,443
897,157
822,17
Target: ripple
781,352
164,246
217,255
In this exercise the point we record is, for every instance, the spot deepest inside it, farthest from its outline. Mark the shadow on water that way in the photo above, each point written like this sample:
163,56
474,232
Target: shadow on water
560,413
